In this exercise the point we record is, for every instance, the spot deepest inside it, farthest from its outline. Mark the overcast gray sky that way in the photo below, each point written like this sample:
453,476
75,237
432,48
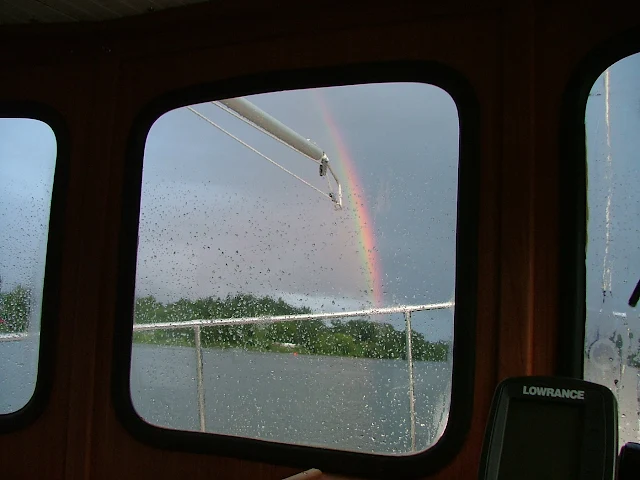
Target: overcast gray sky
27,163
217,219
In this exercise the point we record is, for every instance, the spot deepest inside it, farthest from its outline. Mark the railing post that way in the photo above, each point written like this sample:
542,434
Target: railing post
412,400
201,405
638,402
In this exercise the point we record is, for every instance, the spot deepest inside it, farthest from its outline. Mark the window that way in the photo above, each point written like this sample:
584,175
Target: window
612,348
298,261
28,151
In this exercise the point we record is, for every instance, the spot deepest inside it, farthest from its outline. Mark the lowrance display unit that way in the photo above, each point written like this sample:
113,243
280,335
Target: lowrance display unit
550,428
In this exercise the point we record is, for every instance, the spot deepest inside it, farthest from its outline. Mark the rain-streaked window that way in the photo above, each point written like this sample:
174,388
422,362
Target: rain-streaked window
296,268
612,348
27,163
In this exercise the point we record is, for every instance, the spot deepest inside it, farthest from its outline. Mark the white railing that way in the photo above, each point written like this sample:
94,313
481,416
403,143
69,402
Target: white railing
12,337
196,325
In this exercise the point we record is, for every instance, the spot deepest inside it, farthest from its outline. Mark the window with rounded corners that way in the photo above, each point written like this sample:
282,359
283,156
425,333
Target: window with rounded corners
612,351
601,206
304,275
31,142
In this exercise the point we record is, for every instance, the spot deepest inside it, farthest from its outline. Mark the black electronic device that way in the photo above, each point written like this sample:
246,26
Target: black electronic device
550,428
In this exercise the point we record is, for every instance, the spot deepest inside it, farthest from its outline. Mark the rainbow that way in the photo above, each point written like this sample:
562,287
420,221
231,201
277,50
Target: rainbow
355,196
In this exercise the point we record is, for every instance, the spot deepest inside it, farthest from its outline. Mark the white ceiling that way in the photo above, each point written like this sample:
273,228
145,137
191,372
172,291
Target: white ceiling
14,12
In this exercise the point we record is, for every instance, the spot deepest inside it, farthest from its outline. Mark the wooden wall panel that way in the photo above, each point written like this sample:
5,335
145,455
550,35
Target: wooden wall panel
518,157
517,55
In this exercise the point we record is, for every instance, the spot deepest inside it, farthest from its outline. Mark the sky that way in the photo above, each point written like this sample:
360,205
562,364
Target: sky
27,164
218,219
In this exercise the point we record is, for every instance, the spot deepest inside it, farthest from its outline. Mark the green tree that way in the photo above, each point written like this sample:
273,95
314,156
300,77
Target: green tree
15,308
354,338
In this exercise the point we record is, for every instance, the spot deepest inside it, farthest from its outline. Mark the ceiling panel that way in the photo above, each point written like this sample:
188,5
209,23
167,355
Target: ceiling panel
14,12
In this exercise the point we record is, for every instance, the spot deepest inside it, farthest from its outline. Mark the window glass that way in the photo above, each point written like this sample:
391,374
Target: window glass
288,242
612,350
27,163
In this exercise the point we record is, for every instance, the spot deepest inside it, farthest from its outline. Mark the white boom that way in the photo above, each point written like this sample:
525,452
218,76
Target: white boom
248,112
262,119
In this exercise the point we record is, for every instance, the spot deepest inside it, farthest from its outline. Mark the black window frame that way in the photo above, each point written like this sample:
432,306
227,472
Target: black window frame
345,462
49,317
573,197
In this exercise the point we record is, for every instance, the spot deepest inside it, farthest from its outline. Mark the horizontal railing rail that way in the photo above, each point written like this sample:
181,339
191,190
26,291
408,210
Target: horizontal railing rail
217,322
12,337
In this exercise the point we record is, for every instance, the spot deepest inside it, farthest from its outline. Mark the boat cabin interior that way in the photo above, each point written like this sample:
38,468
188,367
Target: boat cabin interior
269,240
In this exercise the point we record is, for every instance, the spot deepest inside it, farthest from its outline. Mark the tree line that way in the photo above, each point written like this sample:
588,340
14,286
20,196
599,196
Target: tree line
351,338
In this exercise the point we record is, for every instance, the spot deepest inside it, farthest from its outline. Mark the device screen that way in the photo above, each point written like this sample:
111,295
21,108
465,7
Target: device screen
542,441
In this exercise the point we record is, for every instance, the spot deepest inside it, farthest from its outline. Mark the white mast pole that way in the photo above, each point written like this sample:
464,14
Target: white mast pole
606,266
